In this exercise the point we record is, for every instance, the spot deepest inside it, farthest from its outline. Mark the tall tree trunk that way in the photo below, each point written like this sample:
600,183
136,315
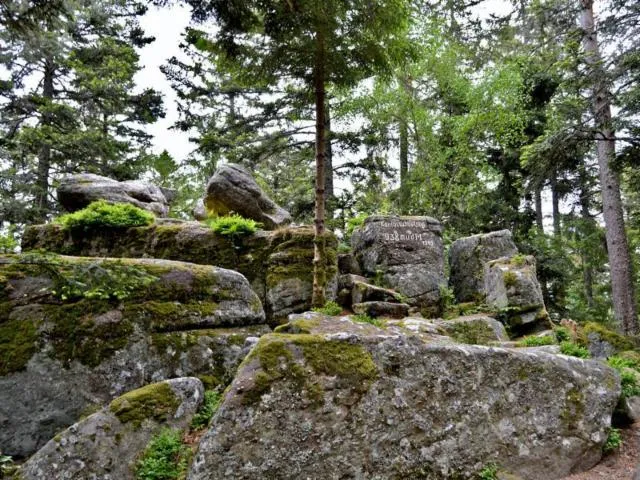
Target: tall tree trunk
404,166
44,156
328,164
538,199
622,289
555,204
319,253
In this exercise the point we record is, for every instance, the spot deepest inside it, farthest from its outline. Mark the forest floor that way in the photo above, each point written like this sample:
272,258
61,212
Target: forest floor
620,465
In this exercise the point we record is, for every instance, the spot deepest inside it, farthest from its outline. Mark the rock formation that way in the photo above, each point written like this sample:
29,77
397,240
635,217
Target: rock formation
467,258
107,444
78,191
233,189
76,332
405,254
359,402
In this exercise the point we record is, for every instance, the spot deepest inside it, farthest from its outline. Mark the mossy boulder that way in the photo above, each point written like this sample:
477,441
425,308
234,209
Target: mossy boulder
474,330
76,332
107,443
357,401
467,258
278,264
603,342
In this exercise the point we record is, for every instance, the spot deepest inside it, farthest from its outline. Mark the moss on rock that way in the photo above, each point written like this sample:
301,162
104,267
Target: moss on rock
471,332
156,401
618,341
18,339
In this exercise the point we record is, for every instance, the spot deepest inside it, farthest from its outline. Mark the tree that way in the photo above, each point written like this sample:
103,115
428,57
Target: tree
67,103
620,262
334,42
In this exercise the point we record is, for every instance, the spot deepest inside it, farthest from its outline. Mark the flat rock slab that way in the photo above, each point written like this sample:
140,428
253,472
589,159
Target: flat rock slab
406,253
75,192
233,189
467,257
106,445
474,329
388,406
381,309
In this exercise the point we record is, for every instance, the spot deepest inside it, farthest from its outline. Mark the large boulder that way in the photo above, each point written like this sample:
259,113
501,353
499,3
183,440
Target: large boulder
467,258
106,444
360,402
233,189
77,332
511,286
405,254
75,192
278,264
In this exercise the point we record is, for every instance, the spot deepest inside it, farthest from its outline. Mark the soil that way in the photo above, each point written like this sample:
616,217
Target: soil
619,465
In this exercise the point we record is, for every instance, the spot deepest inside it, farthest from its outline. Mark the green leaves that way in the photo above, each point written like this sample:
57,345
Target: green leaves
234,226
104,214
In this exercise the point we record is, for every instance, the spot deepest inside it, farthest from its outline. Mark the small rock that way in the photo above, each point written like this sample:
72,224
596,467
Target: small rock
382,309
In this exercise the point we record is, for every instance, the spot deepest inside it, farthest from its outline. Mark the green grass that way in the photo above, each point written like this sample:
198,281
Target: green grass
364,318
211,403
165,458
234,226
628,379
573,350
490,472
537,341
562,334
614,441
330,308
104,214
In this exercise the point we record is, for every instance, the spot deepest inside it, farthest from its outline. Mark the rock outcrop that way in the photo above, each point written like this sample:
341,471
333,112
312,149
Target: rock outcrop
405,254
467,258
345,400
75,192
511,286
278,264
233,189
106,444
77,332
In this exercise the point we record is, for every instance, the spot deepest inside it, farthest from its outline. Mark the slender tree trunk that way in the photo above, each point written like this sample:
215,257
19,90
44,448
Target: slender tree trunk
404,166
538,199
319,256
555,205
44,156
622,288
328,164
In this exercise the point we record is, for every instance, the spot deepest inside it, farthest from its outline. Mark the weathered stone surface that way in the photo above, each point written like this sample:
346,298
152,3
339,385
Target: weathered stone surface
381,309
347,264
511,285
365,292
467,258
406,254
75,192
474,329
233,189
199,212
370,403
58,357
278,261
106,444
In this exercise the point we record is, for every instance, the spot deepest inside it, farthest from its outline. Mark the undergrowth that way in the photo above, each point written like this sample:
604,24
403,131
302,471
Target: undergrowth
104,214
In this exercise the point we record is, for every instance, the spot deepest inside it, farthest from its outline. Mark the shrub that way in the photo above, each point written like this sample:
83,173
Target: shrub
330,308
165,458
104,214
573,350
234,226
537,341
353,223
628,378
614,441
562,334
211,403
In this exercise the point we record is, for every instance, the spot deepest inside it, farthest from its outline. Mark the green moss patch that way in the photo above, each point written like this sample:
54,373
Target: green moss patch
473,332
17,344
156,401
618,341
159,316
